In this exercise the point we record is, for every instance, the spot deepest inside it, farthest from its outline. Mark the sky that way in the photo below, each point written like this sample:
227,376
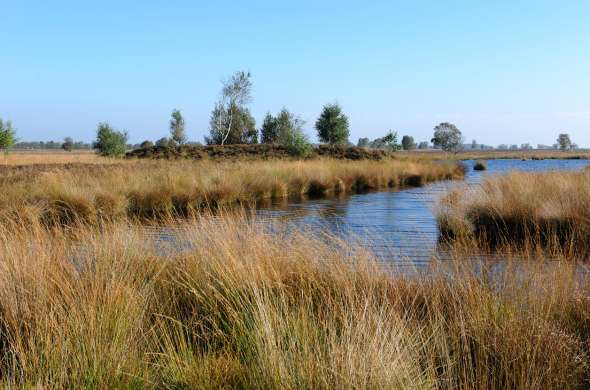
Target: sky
504,71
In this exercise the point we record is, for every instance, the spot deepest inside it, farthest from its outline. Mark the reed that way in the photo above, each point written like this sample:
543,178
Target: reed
237,306
159,189
548,209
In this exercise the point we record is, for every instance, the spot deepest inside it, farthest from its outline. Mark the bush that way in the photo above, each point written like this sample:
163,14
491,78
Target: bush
332,125
480,166
7,135
109,142
298,145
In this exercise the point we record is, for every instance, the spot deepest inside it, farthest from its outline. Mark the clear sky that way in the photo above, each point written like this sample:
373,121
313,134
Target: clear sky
502,71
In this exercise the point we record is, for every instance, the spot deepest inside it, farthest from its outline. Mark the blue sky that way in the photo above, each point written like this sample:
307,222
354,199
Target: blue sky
503,72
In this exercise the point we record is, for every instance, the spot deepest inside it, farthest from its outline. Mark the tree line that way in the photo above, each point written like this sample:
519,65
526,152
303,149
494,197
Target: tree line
232,123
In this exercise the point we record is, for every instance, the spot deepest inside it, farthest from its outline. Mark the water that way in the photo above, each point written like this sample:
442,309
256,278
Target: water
398,226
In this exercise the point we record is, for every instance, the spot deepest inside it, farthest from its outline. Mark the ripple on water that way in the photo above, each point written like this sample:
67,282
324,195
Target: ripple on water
398,226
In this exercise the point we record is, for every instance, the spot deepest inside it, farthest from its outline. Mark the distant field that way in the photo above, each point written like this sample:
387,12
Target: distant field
28,157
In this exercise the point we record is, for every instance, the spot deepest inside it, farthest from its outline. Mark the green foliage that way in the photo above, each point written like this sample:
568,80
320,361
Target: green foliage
332,125
231,122
423,145
389,142
109,142
7,135
177,132
408,142
68,144
448,137
298,144
241,125
564,141
269,132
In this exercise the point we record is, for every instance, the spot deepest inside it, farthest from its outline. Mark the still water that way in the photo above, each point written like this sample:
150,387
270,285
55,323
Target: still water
398,226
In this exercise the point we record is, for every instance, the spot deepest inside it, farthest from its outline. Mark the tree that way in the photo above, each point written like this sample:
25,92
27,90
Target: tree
146,144
7,135
423,145
269,132
332,125
389,141
242,129
448,137
408,142
177,127
564,141
68,144
363,142
474,144
235,94
110,142
163,142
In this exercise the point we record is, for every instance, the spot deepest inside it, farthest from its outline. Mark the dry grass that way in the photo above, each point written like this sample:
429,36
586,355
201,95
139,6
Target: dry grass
158,189
243,308
550,209
51,157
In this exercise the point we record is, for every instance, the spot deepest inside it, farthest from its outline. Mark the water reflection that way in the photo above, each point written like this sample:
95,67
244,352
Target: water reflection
398,226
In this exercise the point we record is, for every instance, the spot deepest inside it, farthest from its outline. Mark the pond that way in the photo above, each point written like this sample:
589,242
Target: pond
398,226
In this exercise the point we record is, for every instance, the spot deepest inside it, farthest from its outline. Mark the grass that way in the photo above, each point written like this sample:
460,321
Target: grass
44,157
549,209
109,309
159,189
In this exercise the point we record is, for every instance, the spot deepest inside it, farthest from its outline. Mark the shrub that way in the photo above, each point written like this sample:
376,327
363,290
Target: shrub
298,145
332,125
480,166
68,144
7,135
109,142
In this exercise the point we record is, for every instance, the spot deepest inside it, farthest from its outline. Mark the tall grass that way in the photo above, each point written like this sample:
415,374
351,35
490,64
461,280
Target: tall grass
549,209
160,189
245,308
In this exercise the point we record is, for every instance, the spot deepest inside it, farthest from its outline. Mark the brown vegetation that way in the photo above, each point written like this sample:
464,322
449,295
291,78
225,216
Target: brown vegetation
156,189
255,152
550,209
245,308
45,157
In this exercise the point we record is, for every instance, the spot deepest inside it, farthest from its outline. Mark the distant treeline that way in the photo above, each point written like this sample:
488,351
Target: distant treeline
34,145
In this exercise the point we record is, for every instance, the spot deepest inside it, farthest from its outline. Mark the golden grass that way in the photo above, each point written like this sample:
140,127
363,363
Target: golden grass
550,209
157,189
244,308
51,157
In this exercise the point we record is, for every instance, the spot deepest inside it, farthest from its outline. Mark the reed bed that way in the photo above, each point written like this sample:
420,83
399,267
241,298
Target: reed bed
158,189
240,307
550,209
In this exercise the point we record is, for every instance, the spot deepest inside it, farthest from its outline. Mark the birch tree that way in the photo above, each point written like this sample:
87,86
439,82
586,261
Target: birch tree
236,93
